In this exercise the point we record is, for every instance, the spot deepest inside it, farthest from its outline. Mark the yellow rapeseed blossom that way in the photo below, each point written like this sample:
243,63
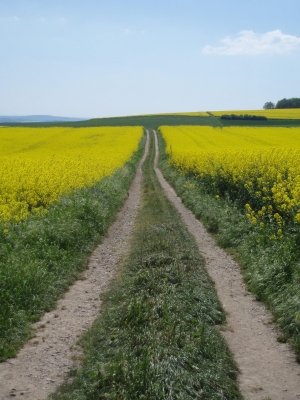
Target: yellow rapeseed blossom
38,165
275,113
259,164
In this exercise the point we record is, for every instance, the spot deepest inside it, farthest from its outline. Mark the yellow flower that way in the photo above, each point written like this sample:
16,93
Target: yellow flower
248,207
39,165
265,171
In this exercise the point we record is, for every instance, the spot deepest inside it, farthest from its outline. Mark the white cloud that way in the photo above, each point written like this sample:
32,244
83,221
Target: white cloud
15,18
249,42
126,31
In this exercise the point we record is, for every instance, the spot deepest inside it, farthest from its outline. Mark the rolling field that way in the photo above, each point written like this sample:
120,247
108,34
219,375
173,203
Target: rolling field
184,113
191,114
147,121
154,121
285,113
39,165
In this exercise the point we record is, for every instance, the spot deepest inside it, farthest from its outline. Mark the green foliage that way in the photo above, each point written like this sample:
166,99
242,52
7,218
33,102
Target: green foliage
269,105
156,338
294,102
41,256
244,117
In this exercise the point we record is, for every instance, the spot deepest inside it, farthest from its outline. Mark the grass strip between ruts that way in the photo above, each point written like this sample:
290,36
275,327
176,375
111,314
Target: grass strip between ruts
271,268
156,337
42,255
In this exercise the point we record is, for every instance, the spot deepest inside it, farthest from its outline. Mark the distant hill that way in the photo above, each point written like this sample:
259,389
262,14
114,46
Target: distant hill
36,118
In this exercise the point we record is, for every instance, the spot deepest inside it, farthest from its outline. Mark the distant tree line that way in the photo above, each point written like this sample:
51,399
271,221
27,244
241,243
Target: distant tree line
243,117
294,102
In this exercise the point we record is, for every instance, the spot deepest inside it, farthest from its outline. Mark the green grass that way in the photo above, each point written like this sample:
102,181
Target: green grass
271,267
156,338
41,256
148,121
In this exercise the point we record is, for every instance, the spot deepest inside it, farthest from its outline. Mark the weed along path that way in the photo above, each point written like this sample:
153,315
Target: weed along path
45,360
268,369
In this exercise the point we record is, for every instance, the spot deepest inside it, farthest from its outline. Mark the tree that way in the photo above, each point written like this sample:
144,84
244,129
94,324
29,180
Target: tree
294,102
268,105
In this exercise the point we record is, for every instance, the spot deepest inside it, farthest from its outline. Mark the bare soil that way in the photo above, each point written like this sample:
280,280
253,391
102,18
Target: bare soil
44,362
268,368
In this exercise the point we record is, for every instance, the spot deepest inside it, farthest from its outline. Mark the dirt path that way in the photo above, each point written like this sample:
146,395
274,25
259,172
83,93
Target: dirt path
44,361
268,368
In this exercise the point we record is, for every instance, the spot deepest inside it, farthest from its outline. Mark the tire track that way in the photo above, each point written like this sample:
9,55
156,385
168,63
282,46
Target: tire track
268,369
44,362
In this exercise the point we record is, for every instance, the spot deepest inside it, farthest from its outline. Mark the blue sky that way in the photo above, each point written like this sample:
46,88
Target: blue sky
107,58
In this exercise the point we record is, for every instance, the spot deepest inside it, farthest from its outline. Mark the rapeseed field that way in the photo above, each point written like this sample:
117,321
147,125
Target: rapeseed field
38,165
284,113
257,167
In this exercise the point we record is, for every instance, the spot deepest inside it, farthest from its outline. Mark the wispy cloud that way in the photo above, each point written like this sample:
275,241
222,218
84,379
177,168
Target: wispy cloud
251,43
126,31
15,18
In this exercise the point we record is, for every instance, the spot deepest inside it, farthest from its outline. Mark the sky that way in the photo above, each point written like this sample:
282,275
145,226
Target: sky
100,58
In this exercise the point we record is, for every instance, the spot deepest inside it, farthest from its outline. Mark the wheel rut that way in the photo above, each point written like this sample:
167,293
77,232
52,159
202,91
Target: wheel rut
268,369
44,362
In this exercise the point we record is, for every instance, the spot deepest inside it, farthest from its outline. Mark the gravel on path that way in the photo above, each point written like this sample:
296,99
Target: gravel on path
268,369
44,362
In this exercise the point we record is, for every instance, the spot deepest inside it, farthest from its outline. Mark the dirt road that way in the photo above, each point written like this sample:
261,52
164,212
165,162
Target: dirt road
43,363
268,368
